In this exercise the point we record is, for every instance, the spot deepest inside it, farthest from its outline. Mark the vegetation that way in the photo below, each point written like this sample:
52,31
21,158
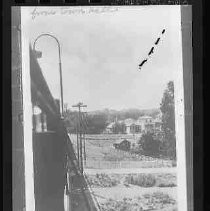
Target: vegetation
118,128
142,180
168,121
154,201
97,121
152,180
149,144
102,180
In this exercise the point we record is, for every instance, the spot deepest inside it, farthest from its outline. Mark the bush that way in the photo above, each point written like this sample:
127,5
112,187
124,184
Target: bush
142,180
102,180
112,205
151,180
150,145
166,180
169,184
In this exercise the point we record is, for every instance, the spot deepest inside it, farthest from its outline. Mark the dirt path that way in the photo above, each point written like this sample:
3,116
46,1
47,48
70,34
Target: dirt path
131,170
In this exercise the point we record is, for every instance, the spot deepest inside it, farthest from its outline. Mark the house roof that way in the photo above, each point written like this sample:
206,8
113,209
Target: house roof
110,125
157,120
129,122
145,117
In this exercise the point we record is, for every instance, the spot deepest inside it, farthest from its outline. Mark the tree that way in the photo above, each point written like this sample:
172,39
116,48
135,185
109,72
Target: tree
96,123
168,120
149,144
118,127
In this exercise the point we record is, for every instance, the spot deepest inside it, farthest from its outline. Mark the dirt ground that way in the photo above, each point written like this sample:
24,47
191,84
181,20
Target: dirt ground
114,192
137,195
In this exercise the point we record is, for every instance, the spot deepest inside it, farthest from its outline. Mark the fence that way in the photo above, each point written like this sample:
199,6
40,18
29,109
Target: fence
99,164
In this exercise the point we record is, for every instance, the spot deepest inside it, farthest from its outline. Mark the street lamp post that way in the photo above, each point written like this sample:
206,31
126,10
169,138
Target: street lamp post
60,66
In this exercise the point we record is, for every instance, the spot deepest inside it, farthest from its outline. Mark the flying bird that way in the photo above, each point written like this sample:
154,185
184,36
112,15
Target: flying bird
157,41
163,31
151,51
145,60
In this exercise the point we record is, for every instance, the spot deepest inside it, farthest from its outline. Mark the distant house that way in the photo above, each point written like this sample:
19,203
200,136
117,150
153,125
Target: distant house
143,124
110,128
146,123
129,126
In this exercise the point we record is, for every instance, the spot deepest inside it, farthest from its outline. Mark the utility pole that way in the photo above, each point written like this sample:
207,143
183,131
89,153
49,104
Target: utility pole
77,132
84,132
79,106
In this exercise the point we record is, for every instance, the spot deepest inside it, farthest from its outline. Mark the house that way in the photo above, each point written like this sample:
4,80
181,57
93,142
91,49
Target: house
150,124
129,126
143,124
158,122
110,128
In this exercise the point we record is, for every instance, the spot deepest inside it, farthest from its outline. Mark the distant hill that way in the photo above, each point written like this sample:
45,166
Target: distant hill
125,113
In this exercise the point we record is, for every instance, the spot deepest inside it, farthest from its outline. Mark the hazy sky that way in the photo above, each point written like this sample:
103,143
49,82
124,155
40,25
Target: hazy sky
101,53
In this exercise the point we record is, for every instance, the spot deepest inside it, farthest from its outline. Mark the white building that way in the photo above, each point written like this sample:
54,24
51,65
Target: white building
143,124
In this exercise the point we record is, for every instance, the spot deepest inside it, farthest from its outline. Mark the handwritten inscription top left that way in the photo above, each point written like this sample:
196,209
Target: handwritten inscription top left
71,11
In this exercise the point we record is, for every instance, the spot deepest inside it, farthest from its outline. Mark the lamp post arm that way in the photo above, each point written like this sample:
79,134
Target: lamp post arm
60,67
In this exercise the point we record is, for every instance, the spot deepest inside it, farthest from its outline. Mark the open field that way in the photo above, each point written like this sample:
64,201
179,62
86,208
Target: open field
100,154
124,181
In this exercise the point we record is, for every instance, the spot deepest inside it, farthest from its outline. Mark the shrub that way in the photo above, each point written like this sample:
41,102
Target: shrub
112,205
143,180
102,180
149,144
174,163
166,180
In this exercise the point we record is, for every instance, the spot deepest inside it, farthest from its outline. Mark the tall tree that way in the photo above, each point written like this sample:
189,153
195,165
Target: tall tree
168,119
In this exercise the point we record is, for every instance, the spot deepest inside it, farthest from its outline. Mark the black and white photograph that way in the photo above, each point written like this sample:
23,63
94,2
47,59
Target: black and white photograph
103,109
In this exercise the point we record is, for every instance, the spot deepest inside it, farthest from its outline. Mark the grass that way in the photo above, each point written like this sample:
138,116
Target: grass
101,154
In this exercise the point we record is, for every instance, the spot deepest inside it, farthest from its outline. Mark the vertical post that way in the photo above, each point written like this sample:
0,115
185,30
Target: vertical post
80,140
84,132
84,149
61,79
80,157
27,117
77,128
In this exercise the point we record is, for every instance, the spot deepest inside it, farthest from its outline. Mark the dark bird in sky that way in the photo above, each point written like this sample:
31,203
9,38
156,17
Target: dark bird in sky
157,41
145,60
163,31
151,51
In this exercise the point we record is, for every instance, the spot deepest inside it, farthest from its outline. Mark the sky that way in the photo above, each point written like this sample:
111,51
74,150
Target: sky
101,50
